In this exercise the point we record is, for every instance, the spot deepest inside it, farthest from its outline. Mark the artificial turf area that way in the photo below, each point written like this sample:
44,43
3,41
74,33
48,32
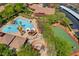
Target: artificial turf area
59,32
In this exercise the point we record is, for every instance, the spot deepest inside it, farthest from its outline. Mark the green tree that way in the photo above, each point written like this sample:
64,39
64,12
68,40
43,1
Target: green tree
62,47
9,11
0,20
66,22
27,51
19,7
54,18
4,21
5,50
28,11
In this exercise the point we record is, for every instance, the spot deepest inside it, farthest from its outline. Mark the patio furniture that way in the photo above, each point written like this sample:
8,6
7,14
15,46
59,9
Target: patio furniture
32,32
23,32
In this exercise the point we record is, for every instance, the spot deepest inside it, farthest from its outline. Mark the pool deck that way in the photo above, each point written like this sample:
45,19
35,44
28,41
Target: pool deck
18,33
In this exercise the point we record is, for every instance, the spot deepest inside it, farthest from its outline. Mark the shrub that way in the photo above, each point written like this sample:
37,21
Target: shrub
5,50
27,51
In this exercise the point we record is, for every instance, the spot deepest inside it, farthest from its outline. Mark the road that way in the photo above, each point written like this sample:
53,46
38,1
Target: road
73,19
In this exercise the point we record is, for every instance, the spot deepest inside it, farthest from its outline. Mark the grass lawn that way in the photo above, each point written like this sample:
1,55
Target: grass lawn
58,32
57,46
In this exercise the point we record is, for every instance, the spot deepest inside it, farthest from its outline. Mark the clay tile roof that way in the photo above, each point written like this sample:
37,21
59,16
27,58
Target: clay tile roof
39,9
7,38
17,42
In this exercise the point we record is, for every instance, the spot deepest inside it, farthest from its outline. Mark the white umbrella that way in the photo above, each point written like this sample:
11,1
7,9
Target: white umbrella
27,29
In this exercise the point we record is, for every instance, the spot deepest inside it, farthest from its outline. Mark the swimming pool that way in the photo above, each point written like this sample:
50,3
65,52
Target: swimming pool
25,23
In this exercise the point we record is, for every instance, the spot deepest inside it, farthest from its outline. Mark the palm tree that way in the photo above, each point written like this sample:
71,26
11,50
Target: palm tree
18,7
20,28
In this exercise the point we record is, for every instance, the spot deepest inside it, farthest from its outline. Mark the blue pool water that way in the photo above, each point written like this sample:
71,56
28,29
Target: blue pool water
25,23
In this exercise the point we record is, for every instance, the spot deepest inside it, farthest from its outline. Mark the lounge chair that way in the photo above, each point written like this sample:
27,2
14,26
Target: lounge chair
32,32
